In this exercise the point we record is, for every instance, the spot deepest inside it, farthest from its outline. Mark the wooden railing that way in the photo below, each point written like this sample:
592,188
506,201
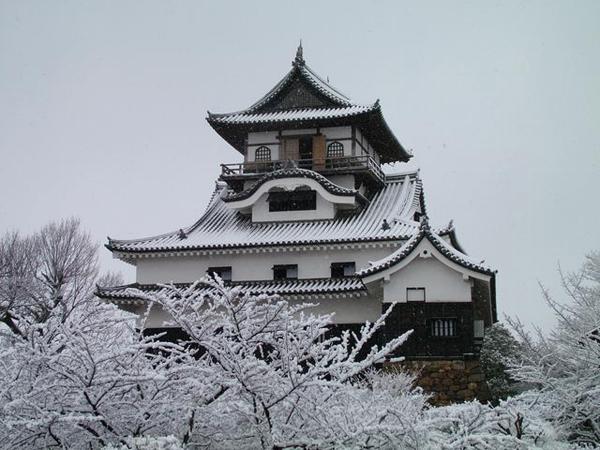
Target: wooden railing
318,165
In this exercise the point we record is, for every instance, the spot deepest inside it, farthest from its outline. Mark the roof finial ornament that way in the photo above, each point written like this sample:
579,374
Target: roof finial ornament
425,223
299,55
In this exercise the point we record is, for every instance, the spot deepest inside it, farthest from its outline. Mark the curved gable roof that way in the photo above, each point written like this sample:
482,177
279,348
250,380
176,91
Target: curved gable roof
425,232
294,173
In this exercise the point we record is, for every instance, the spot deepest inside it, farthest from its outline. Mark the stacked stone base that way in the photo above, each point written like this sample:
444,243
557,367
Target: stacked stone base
448,380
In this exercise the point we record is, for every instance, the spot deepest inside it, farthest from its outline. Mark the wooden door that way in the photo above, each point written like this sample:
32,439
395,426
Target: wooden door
291,149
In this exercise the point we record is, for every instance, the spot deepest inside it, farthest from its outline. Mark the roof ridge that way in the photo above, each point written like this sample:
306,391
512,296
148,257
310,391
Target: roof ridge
186,230
312,73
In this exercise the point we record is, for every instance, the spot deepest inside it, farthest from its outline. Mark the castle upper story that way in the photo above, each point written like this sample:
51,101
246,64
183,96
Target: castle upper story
305,129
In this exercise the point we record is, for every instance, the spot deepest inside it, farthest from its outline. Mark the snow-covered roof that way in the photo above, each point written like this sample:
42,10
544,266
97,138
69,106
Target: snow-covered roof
222,227
425,232
245,117
299,67
303,99
330,187
316,286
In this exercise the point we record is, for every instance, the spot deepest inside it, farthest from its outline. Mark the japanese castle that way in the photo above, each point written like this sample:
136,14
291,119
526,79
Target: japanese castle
311,216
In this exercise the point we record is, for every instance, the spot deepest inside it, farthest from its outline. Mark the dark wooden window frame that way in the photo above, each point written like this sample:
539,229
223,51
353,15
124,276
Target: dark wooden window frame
262,154
335,150
336,266
416,288
297,200
281,271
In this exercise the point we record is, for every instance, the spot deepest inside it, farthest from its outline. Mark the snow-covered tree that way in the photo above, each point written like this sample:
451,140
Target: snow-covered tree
564,367
499,348
254,372
74,372
278,380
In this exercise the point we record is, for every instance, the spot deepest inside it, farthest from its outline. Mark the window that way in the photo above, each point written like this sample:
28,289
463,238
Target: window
443,327
306,148
262,154
285,272
224,273
298,200
415,294
335,150
341,270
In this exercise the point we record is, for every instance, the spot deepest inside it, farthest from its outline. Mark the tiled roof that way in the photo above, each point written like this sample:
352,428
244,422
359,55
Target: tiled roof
299,67
339,104
222,227
327,107
291,115
330,187
425,232
272,287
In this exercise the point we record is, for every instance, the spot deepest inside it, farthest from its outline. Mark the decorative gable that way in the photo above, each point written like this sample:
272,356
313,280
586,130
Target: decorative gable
296,96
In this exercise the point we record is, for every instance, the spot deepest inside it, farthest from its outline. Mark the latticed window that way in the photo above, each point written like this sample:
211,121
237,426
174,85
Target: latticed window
262,154
335,150
297,200
443,327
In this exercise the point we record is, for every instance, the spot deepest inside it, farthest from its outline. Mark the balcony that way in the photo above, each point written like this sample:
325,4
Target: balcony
330,166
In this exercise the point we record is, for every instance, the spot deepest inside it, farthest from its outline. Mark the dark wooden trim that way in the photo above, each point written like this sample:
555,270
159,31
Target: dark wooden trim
264,143
416,288
353,140
340,139
297,135
363,147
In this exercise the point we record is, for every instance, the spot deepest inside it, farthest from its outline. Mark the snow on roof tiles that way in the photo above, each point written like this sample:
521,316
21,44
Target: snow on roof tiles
425,232
272,287
304,71
247,117
222,227
292,173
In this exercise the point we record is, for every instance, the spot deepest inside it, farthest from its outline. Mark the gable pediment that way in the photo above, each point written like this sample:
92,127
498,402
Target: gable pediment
298,94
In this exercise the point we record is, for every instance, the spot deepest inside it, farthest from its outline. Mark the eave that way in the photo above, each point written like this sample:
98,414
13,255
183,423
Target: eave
370,121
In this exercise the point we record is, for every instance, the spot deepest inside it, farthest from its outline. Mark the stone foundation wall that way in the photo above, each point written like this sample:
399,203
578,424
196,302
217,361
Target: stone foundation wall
448,380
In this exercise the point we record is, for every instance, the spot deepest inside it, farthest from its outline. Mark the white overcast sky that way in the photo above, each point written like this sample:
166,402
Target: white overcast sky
102,108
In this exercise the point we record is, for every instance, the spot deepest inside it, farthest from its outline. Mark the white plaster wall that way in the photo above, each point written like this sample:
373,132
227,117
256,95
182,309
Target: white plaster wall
252,266
262,137
257,139
260,211
347,310
441,283
271,139
337,132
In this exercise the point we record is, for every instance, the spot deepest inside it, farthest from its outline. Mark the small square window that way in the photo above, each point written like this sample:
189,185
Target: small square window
285,272
297,200
447,327
223,272
415,294
341,270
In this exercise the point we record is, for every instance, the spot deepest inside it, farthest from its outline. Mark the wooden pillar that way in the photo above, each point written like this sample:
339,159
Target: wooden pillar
319,152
